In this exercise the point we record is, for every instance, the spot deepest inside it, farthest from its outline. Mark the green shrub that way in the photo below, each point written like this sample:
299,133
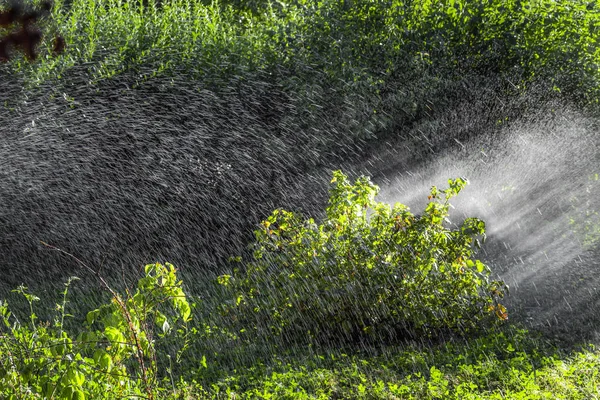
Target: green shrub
113,357
367,270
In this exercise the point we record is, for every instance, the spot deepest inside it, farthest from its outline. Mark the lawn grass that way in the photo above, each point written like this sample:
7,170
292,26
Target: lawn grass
508,364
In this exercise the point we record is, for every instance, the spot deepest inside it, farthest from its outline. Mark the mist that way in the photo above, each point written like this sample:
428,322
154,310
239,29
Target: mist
535,184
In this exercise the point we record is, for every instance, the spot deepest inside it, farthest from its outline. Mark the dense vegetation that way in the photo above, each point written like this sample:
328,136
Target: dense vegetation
45,361
364,300
338,281
125,356
357,42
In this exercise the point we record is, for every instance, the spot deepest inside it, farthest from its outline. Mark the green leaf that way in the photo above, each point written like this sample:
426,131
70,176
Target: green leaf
114,335
75,377
148,269
91,316
480,266
223,279
185,311
160,319
67,392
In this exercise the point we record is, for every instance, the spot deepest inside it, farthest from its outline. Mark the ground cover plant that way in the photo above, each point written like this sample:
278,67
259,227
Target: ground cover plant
510,363
505,364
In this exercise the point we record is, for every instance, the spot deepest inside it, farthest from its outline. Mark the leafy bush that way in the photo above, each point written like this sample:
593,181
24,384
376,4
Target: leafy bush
113,357
367,269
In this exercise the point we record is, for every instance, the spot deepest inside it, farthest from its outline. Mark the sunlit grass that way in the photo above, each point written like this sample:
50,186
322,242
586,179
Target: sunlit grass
509,365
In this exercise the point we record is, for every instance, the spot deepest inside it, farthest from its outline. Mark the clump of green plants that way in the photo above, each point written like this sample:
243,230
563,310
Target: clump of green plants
114,356
368,270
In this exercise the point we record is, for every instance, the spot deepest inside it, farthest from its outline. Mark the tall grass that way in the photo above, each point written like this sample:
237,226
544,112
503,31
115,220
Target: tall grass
115,36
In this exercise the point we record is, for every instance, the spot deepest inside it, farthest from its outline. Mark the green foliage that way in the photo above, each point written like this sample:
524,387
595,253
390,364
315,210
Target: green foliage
352,41
508,363
113,357
44,361
367,270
